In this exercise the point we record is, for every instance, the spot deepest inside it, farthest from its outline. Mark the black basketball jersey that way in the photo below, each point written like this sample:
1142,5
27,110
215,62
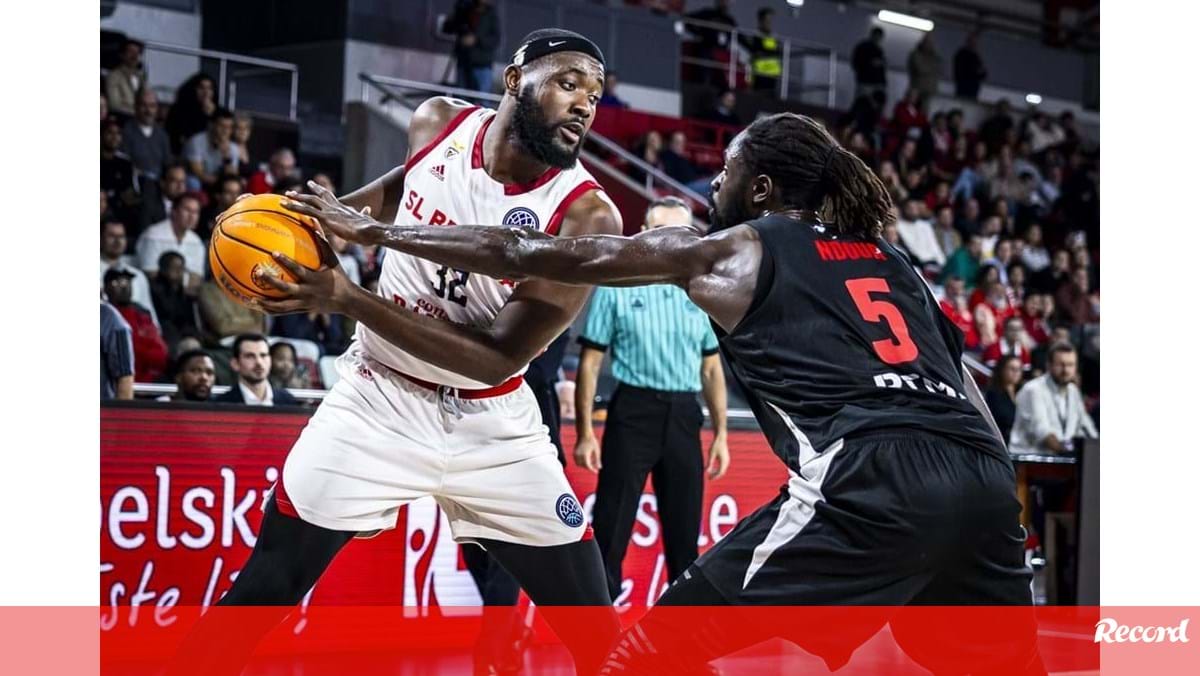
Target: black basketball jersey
843,337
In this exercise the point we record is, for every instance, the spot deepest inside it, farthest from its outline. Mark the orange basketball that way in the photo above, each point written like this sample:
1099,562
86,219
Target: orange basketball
244,238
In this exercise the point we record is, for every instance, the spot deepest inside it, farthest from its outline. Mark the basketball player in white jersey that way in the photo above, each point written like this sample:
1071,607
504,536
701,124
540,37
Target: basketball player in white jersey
431,400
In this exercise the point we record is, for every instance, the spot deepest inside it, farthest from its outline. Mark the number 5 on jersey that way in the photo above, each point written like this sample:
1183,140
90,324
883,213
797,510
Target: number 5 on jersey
901,348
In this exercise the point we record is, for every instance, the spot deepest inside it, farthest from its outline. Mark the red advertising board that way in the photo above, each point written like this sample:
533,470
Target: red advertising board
181,491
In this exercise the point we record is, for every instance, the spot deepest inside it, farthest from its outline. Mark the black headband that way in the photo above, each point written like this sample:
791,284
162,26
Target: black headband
539,47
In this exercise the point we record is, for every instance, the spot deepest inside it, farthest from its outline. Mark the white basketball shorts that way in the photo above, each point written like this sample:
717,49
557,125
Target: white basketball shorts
380,441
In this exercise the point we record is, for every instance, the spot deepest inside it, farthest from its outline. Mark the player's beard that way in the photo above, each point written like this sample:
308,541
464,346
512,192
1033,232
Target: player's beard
728,215
537,135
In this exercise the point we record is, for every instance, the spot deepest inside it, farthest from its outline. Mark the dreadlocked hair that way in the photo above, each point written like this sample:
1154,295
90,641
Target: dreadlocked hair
813,171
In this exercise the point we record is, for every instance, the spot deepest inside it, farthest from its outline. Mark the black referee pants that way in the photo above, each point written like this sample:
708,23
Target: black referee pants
656,433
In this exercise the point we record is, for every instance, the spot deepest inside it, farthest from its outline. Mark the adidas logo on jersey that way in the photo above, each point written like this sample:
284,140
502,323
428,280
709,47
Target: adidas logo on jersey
439,172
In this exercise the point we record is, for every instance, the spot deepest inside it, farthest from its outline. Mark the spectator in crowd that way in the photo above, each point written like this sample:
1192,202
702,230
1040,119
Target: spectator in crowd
156,204
173,297
968,222
228,190
286,371
1050,411
1001,177
870,64
994,130
908,120
212,154
116,355
866,116
649,150
124,81
676,164
116,171
1075,299
105,212
150,352
476,29
890,234
990,233
1049,279
938,197
252,363
948,237
969,71
1034,314
175,234
103,108
195,376
939,140
956,307
1050,188
1012,343
713,38
964,263
1034,254
916,232
925,70
653,424
243,127
112,257
280,169
1001,395
1059,334
222,317
891,180
322,328
1043,133
971,182
609,97
1017,277
145,142
725,109
766,54
195,102
992,313
1002,255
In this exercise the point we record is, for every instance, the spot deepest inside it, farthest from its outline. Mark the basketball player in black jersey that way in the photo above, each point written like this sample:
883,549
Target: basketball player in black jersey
900,491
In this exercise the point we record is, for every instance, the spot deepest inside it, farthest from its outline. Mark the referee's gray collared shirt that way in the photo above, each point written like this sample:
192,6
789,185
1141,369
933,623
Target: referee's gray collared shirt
657,335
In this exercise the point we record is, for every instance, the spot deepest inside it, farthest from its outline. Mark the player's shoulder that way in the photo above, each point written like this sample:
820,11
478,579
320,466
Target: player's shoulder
592,213
433,115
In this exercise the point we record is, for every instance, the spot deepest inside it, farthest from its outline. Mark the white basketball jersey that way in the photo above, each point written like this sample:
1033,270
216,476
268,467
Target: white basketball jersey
445,184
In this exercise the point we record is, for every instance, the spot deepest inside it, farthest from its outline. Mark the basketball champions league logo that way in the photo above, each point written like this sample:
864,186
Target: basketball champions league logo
520,217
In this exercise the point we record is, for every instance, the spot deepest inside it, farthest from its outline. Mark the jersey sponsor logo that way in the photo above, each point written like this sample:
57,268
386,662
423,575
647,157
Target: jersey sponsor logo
832,250
521,217
569,511
439,172
915,383
415,205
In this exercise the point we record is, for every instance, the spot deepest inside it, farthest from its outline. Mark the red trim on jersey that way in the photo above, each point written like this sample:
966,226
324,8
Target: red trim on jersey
282,502
587,534
519,188
477,147
561,211
420,154
509,188
503,388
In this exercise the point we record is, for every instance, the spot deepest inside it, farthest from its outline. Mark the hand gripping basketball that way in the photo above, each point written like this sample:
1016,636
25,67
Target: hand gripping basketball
333,216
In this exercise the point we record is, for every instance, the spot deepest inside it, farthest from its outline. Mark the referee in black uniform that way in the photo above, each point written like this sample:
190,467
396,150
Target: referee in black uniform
664,351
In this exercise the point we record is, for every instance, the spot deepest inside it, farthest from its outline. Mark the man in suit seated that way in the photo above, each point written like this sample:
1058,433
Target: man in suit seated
252,362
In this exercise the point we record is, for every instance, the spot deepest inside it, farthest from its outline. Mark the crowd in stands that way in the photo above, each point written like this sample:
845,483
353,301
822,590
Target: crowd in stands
166,173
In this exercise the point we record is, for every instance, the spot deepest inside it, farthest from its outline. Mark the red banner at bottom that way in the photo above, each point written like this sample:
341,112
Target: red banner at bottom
523,639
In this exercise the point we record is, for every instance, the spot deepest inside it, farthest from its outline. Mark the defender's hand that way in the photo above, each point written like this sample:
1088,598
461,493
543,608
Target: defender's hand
334,216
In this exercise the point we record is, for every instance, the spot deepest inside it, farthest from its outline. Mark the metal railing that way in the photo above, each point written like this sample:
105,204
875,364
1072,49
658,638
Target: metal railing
414,89
792,50
155,390
226,77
